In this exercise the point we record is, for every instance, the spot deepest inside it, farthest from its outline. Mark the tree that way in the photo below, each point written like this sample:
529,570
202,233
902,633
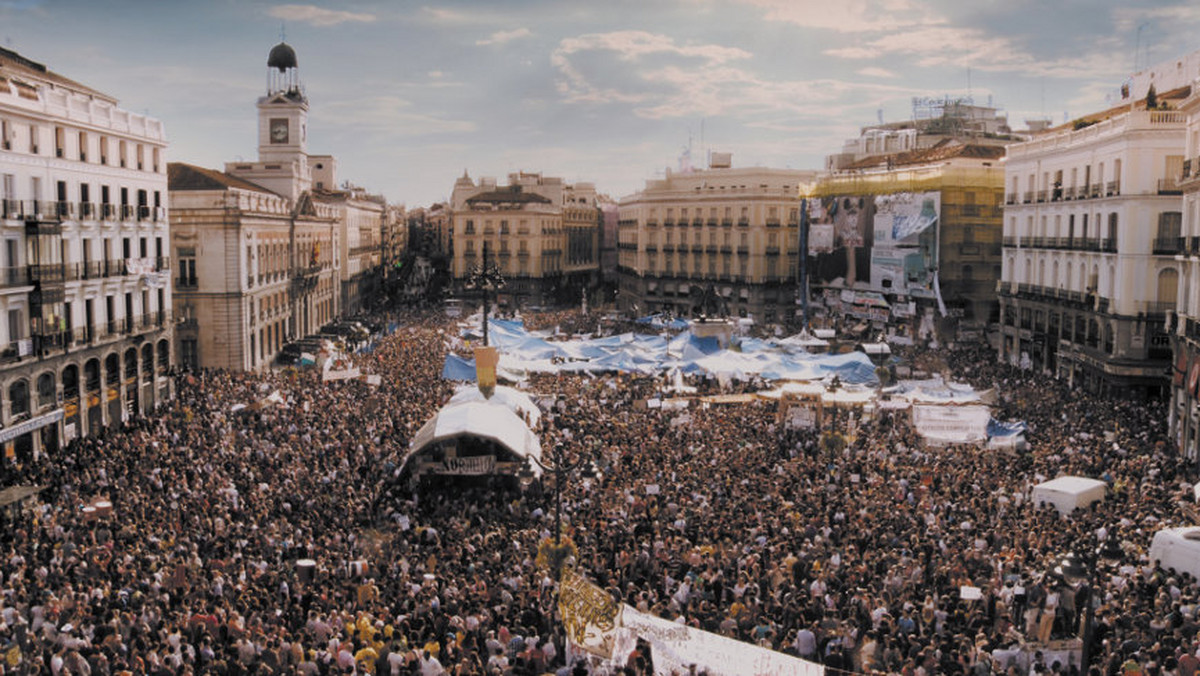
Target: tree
1151,98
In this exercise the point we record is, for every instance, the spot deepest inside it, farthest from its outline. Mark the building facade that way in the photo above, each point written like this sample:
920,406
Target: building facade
929,282
541,234
720,242
1092,222
363,222
1184,326
258,257
86,292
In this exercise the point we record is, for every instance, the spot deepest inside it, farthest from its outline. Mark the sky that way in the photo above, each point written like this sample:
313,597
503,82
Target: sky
410,94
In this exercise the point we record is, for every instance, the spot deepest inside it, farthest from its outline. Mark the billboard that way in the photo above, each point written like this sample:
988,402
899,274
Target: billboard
904,232
840,238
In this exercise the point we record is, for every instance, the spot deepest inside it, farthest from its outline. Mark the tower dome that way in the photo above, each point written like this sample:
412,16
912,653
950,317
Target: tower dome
283,75
282,57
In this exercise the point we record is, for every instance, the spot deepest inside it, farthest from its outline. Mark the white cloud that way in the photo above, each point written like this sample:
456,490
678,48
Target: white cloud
504,37
874,71
934,46
317,16
847,16
658,78
389,115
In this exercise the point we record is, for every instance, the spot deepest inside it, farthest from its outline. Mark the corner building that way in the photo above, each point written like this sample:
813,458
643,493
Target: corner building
541,233
257,247
86,289
719,239
1091,237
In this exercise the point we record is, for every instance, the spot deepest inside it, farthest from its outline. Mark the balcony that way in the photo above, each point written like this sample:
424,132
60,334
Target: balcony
698,222
743,250
772,222
772,251
1011,242
712,221
711,249
1010,198
668,223
1041,196
1169,186
727,222
127,212
18,276
652,223
87,210
743,222
1112,188
1167,246
108,211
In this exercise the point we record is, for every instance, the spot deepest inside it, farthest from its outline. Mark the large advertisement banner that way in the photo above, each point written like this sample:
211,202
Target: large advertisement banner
904,255
840,238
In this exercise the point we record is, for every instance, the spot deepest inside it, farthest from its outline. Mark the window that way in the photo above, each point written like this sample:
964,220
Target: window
83,146
187,266
15,326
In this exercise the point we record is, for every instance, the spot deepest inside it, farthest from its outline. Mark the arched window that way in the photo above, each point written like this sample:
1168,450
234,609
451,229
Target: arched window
45,390
18,397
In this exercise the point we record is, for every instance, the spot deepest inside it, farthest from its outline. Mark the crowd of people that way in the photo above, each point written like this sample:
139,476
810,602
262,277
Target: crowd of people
273,538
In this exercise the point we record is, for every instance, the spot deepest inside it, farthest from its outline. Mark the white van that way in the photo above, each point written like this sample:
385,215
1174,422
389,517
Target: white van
1177,548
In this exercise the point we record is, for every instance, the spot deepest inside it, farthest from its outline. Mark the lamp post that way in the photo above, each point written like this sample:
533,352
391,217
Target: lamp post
1083,570
485,277
558,467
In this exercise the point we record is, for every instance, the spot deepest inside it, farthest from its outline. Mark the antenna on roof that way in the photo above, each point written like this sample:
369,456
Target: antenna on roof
282,32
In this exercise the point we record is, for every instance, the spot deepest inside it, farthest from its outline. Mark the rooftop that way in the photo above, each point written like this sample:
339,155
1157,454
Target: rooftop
182,176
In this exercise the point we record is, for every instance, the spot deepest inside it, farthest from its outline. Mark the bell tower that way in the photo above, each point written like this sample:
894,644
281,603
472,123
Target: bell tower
283,112
282,129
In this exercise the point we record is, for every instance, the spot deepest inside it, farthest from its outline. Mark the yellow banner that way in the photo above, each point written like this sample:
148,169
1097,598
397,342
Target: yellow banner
590,615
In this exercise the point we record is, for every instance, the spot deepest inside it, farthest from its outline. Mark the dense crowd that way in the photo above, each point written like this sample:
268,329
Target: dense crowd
853,556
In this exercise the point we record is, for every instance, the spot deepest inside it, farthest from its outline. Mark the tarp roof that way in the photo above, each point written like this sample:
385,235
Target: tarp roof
482,419
517,401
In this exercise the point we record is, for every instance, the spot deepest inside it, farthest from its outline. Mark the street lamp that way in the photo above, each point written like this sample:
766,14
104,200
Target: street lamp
485,277
1083,571
558,467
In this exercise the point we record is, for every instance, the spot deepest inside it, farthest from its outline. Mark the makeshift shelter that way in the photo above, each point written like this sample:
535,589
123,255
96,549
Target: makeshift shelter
1068,493
516,400
472,438
1178,549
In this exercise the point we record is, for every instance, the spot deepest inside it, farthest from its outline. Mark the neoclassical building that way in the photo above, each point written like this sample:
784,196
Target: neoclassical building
1092,233
542,235
262,249
728,237
86,288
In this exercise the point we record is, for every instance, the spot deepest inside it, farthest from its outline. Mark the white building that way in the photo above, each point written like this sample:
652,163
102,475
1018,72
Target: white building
1091,228
85,293
1185,374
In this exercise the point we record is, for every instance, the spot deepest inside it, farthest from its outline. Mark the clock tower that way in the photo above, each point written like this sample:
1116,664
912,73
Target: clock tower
283,127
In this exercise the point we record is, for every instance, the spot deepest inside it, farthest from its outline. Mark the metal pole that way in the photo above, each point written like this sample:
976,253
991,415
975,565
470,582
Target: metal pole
802,283
1089,617
484,279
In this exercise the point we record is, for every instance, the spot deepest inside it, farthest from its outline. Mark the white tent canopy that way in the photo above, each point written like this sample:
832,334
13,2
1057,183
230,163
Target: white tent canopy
516,400
481,419
1068,493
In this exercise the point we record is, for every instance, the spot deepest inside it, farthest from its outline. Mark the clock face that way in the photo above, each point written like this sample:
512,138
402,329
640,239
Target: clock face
279,131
